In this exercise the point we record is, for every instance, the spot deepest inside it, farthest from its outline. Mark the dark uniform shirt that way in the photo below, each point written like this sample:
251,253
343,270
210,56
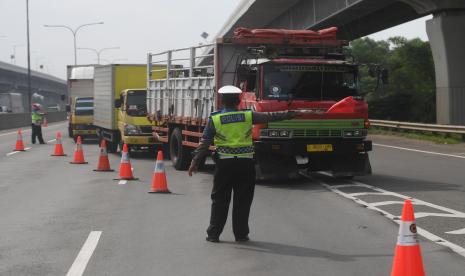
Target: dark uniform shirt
210,131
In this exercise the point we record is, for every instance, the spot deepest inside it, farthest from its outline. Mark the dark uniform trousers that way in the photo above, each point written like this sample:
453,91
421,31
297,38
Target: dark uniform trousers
237,175
37,132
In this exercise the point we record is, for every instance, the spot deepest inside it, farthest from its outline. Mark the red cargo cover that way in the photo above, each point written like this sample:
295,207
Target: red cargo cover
329,33
326,37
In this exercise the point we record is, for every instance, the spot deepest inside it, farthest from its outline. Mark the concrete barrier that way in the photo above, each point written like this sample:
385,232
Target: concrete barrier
16,120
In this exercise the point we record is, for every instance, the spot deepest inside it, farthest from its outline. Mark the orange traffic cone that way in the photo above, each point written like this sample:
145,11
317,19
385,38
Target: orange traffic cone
103,162
159,183
19,141
407,258
45,123
58,146
78,153
125,168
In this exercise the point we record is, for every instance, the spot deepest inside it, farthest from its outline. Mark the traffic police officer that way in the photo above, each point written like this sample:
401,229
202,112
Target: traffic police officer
231,132
36,117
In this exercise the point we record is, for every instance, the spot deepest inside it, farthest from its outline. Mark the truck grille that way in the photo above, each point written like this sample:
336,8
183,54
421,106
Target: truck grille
146,130
84,127
309,133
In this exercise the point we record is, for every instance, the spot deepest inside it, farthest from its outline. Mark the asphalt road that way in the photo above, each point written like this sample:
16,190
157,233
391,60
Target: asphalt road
55,216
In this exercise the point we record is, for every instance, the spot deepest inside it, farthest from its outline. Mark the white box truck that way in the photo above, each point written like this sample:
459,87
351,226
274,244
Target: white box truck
81,101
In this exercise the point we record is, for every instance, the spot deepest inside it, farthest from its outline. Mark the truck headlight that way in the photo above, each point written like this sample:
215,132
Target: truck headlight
349,133
131,130
354,133
284,133
273,133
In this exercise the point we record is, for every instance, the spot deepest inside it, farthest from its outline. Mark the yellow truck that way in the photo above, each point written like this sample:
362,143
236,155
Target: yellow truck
81,101
120,107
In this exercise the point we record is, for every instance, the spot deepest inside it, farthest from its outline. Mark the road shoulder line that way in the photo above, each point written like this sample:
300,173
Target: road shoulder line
426,234
420,151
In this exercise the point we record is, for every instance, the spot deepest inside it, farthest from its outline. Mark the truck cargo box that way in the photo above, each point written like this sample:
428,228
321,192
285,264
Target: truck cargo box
80,81
109,81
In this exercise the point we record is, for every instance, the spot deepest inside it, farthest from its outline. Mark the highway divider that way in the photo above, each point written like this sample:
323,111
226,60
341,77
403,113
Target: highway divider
433,128
16,120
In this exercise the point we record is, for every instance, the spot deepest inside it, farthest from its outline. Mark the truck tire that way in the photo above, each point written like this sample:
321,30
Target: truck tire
70,131
180,155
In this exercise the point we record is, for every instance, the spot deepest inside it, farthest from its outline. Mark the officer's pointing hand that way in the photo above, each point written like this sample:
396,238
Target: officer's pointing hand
192,170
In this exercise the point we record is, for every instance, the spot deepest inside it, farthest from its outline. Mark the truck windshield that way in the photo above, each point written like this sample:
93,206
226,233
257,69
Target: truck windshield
136,103
84,107
309,82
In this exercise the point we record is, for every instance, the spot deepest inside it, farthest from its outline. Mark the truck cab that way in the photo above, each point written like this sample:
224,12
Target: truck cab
334,132
135,128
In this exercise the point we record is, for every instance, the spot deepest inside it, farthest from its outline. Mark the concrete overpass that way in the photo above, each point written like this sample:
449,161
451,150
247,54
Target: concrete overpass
357,18
14,79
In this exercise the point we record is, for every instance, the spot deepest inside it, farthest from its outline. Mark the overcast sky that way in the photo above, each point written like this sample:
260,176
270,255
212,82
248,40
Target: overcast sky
136,26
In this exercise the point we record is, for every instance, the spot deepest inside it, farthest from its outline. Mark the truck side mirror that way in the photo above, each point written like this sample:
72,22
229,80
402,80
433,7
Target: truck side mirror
63,98
68,108
117,103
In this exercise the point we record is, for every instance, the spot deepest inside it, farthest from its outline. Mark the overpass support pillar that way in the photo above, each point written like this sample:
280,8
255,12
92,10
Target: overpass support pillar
447,39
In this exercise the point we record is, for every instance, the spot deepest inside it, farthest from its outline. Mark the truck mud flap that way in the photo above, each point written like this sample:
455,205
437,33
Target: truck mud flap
353,165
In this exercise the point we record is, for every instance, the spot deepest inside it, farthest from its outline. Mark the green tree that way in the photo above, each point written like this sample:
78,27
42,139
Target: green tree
368,52
410,95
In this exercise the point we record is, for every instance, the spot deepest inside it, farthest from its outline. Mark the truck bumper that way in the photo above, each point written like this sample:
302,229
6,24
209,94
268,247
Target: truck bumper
140,140
301,147
84,132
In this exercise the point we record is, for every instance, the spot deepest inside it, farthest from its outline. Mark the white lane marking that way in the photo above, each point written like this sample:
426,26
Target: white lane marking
457,232
80,263
15,152
122,182
367,193
457,214
428,235
51,141
384,203
442,215
421,151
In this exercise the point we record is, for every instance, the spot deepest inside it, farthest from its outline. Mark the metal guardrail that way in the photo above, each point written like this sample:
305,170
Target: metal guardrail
419,127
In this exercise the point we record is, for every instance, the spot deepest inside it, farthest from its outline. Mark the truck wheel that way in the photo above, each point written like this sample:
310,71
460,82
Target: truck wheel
180,155
70,132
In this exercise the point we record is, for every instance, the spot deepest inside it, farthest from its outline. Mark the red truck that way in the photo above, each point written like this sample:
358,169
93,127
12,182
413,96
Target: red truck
277,70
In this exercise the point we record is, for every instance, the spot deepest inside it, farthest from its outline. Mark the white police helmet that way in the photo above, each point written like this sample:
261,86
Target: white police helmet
229,89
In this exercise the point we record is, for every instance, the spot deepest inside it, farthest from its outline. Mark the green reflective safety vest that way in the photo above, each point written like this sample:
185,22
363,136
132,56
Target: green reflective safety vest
36,118
233,133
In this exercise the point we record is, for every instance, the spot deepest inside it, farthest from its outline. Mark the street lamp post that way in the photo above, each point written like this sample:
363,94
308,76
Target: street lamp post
99,52
74,32
29,88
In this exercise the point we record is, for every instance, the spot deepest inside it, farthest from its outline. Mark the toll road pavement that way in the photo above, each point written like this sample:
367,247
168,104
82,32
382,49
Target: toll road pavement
49,207
8,137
